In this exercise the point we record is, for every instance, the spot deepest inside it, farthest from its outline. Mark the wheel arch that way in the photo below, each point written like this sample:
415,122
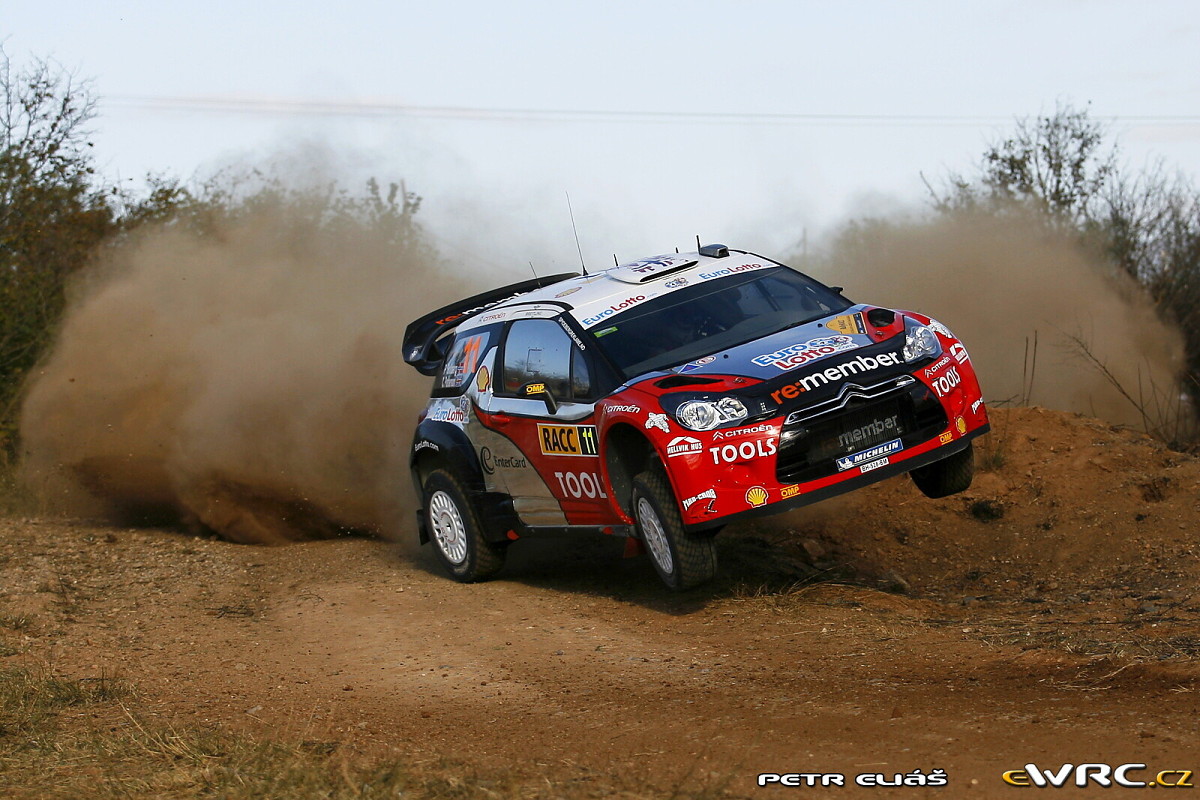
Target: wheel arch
627,452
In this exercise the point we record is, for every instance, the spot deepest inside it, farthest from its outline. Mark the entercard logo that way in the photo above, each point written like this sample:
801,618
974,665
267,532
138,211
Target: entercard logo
1099,774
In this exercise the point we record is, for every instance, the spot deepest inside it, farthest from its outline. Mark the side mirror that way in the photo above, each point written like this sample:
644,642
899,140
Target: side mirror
539,390
838,289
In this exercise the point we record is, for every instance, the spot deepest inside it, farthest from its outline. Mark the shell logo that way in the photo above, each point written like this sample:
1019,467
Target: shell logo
483,380
962,425
756,496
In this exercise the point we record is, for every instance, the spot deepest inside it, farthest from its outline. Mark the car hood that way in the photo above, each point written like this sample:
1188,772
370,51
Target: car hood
788,350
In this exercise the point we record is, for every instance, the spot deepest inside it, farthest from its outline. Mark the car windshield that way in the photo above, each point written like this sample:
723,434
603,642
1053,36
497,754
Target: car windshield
712,316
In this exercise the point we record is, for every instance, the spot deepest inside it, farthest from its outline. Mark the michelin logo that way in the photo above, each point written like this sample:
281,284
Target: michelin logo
871,454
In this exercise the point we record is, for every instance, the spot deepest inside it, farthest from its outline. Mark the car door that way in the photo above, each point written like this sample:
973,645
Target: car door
557,482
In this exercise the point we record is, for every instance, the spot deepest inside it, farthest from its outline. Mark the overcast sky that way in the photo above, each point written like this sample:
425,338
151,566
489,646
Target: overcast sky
746,122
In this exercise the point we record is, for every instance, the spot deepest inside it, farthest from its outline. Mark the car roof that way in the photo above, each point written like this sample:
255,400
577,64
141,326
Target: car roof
593,298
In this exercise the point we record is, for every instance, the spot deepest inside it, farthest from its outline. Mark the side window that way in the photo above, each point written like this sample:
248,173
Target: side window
581,378
462,361
537,351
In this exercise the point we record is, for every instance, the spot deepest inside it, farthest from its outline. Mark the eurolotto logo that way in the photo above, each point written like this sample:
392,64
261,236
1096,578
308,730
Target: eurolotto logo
608,312
797,355
736,268
862,457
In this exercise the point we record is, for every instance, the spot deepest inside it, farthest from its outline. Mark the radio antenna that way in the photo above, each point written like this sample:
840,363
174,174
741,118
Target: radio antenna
533,270
697,243
571,211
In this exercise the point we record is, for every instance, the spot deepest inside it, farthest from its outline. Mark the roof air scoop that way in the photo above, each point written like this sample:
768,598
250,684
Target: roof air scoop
714,251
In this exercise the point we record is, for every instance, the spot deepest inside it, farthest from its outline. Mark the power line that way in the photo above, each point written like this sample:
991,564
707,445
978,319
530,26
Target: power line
326,108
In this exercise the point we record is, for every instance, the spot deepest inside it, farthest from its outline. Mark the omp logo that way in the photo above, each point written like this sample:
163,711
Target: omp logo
833,374
567,440
797,355
608,312
788,492
1100,774
535,388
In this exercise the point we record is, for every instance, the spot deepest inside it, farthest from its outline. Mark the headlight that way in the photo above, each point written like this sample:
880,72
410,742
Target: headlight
704,415
920,342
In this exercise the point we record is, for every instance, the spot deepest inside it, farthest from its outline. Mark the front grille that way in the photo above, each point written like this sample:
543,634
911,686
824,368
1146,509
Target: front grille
813,439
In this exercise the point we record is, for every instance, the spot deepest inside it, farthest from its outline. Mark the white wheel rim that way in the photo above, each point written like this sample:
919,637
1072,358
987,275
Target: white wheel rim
654,536
449,532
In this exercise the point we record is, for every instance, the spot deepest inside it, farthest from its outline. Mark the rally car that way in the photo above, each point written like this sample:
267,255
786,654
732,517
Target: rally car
663,398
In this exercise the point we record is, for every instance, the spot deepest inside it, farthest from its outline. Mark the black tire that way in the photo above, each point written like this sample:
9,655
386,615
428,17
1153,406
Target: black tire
949,476
681,559
455,531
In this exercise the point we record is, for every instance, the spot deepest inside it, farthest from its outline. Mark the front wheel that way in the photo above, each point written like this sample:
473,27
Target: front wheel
682,560
951,475
455,531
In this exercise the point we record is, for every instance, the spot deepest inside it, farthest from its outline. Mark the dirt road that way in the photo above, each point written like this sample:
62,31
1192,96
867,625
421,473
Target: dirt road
1046,617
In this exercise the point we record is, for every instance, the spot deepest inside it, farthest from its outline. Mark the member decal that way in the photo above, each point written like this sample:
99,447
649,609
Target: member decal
798,355
870,455
683,446
580,484
872,431
535,388
490,462
744,451
959,352
789,492
961,424
567,440
756,496
659,421
854,366
848,323
707,494
944,384
483,380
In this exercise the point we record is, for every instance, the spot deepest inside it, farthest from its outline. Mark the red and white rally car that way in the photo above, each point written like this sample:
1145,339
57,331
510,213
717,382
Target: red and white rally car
664,398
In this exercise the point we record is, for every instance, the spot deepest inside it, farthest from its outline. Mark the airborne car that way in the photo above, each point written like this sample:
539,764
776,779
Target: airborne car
664,398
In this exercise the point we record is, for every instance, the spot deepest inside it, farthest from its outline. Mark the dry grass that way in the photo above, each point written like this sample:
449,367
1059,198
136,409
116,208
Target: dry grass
63,738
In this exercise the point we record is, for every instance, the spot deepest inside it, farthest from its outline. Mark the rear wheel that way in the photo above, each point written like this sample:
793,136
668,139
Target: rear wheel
949,476
455,530
682,559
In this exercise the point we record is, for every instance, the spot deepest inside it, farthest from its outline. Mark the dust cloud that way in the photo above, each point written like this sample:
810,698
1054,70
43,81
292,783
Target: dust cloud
249,379
1003,283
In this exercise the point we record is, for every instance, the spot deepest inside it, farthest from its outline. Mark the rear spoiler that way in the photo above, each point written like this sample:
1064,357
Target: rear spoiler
420,336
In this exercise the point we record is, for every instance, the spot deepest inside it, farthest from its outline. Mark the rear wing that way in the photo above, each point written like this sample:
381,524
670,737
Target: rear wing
420,337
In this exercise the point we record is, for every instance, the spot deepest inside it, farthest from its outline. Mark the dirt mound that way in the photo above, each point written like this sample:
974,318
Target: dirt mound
1063,508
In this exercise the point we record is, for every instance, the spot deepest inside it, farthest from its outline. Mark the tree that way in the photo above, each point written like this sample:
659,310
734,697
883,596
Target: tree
52,215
